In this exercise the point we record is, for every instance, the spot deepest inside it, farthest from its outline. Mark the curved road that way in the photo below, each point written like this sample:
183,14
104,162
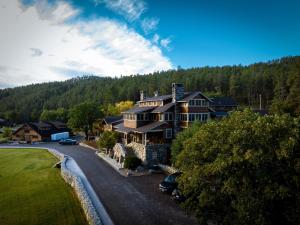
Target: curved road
128,200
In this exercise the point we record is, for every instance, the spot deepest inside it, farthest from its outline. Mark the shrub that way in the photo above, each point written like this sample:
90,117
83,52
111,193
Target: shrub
132,162
3,140
108,139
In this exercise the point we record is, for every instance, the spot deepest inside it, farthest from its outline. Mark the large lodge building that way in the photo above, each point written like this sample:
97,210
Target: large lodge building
149,127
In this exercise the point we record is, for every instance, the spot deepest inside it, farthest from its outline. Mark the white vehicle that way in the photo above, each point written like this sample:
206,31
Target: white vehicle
59,136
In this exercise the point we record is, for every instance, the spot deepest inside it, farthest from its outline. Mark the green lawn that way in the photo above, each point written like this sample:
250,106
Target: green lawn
32,192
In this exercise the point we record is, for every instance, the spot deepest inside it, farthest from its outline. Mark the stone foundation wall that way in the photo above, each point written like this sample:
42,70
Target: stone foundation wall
139,150
75,181
160,151
150,154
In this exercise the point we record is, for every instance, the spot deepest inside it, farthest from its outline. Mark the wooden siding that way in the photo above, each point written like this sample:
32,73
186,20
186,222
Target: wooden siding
30,135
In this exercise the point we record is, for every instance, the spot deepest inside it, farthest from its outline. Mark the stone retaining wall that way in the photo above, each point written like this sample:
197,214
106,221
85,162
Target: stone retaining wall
139,150
151,153
75,181
168,169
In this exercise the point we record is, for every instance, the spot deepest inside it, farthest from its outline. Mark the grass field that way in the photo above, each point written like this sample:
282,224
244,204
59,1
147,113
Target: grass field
32,192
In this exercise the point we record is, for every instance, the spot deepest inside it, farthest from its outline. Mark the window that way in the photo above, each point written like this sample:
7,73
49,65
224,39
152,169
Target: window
168,116
198,116
146,116
183,117
198,102
191,117
161,117
131,116
168,133
204,117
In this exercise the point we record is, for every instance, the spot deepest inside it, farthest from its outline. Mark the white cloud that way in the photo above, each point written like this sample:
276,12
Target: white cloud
130,9
36,52
149,24
155,39
166,43
99,47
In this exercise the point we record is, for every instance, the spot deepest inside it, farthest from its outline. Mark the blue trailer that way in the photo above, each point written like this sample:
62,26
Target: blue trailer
59,136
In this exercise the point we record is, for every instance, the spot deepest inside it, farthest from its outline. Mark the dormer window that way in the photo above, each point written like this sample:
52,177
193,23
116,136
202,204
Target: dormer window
198,102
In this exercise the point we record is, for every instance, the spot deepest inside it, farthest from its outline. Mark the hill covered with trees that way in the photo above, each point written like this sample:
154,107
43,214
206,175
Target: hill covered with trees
278,82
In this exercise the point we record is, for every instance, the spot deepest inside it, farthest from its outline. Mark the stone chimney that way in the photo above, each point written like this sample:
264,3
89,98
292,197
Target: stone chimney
177,92
155,93
142,95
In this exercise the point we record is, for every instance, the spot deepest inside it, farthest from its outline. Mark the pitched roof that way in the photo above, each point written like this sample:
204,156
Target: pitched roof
139,109
144,129
191,95
112,119
40,125
223,101
163,108
37,127
157,98
56,123
148,127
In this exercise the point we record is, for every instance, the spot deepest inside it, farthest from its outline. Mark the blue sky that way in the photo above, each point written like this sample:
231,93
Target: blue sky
67,38
219,32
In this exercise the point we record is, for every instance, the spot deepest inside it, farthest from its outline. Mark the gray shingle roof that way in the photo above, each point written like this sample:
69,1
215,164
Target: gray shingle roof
191,95
157,98
139,109
144,129
223,101
112,119
163,108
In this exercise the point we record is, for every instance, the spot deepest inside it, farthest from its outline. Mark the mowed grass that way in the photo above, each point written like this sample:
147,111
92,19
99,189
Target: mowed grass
32,192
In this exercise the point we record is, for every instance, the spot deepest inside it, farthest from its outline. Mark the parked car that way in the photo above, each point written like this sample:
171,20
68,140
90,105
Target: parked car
68,142
177,195
169,183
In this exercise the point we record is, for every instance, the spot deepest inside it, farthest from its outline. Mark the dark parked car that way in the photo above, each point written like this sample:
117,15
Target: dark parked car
177,196
68,142
169,183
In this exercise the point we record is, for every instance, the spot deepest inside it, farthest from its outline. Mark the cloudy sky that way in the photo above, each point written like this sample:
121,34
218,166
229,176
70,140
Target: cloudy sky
46,40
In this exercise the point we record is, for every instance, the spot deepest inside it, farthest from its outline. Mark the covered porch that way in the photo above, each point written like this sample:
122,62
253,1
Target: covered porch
154,137
152,133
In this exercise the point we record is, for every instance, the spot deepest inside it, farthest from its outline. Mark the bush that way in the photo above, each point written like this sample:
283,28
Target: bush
3,140
132,162
108,139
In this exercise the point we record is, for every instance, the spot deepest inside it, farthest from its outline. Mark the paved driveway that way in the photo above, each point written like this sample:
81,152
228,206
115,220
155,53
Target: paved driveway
129,201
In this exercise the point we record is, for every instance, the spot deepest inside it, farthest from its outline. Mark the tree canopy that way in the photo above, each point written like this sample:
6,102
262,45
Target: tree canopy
277,81
244,169
82,117
108,139
59,114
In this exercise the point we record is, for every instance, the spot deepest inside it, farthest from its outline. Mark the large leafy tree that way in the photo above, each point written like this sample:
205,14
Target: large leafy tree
178,142
244,169
82,117
117,108
108,139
